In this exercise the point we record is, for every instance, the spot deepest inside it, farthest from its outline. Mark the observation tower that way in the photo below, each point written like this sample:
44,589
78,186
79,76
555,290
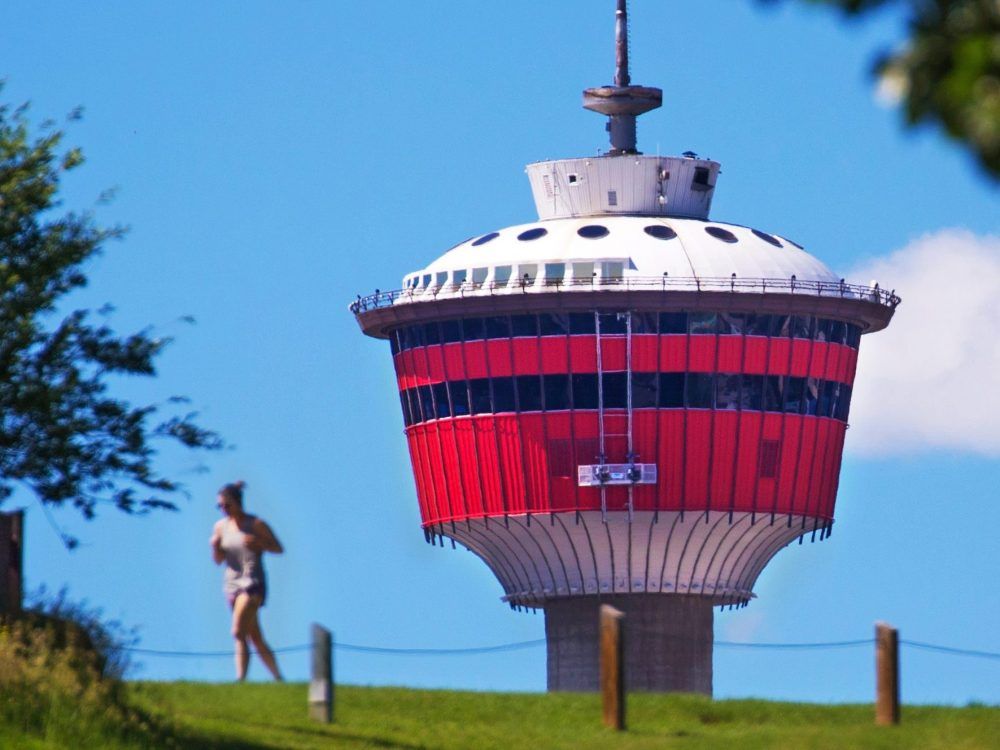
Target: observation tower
625,401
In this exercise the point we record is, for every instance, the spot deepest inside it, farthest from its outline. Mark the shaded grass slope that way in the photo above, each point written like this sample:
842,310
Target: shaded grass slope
273,716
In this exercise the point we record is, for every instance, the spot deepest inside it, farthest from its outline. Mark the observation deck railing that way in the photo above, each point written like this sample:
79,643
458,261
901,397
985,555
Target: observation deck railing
665,283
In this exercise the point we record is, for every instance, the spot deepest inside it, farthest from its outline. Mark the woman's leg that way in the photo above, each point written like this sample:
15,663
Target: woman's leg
240,607
257,638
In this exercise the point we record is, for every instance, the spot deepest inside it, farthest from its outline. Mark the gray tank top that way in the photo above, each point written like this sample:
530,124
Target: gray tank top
244,567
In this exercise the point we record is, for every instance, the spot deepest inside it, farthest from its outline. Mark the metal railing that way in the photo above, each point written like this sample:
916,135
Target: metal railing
733,284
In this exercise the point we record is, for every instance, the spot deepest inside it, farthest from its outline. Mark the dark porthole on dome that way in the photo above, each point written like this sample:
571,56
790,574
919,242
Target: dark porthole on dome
767,237
793,242
721,234
486,238
593,231
532,234
660,232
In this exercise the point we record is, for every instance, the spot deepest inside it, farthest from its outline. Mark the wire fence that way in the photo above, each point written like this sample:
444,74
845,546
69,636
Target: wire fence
520,645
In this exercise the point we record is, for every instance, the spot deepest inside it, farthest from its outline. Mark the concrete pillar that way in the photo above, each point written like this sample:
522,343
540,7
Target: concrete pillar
668,642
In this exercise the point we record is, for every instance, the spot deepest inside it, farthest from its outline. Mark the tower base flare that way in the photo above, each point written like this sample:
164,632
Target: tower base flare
668,642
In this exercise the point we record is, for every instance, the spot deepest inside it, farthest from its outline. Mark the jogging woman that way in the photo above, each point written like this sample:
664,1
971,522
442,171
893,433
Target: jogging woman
239,541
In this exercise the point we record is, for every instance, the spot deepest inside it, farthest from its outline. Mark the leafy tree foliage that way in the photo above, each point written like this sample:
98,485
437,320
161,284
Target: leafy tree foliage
948,72
62,434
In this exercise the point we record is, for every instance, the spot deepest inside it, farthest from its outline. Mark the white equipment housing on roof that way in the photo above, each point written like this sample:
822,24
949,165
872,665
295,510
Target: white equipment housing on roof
630,184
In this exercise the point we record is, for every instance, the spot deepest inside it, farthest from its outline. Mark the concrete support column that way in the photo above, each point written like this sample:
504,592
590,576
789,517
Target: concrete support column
668,642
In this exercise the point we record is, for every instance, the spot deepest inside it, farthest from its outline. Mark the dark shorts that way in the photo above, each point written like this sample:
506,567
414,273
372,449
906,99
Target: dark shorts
254,589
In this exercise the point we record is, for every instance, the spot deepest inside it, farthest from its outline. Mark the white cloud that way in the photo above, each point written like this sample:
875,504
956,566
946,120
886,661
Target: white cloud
931,380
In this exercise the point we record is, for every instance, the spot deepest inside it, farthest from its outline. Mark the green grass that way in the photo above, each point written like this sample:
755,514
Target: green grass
200,715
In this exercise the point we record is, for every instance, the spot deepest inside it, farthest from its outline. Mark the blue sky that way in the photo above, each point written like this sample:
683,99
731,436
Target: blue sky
273,160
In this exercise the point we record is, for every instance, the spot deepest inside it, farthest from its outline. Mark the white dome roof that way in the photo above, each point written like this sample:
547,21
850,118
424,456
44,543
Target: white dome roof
693,253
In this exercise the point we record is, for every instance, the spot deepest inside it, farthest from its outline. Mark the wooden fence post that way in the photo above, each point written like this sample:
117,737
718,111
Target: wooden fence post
613,666
11,562
886,674
321,683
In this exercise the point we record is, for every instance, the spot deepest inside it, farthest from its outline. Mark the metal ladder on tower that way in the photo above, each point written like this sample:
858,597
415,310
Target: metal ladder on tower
605,420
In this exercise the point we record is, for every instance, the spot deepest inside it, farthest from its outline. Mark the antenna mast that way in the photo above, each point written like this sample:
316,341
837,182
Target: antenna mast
622,102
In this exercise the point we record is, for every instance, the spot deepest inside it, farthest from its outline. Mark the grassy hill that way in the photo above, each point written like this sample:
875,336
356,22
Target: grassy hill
199,715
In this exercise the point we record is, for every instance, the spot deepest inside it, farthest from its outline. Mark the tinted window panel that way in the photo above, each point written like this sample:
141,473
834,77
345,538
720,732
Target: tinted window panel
615,390
758,325
660,232
838,331
613,323
426,403
766,237
418,337
524,325
810,396
473,329
532,234
459,398
752,394
394,342
644,323
432,334
853,336
479,396
503,394
794,389
727,391
556,392
673,322
592,231
774,393
498,328
823,329
718,232
581,323
699,390
732,323
553,324
441,408
780,325
555,273
802,326
529,393
405,401
671,390
451,331
405,338
584,391
844,403
485,238
702,323
644,390
828,399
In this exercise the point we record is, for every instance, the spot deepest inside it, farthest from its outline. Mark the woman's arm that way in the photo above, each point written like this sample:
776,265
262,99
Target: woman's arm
216,543
263,539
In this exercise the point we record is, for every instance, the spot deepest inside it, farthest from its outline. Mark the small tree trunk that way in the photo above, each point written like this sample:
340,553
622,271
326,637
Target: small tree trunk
11,562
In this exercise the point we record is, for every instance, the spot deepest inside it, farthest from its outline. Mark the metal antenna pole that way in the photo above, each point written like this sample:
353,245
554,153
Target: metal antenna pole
621,45
622,102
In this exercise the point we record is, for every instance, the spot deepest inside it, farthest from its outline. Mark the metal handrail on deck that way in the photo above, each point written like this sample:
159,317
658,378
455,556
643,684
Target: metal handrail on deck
632,283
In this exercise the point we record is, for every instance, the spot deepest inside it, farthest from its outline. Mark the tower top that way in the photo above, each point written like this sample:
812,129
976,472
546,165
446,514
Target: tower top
622,102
